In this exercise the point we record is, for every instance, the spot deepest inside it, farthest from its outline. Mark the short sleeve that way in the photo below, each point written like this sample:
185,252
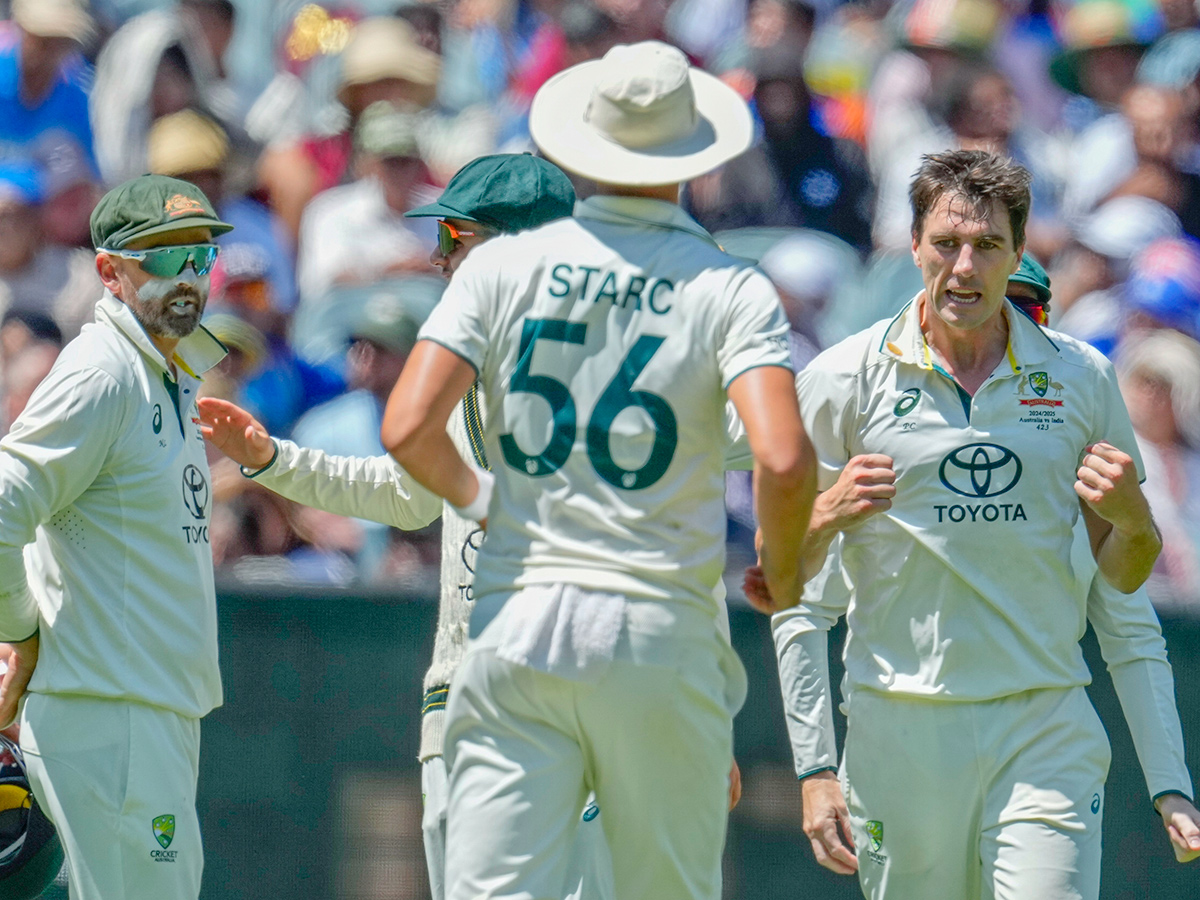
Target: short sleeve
755,329
1112,417
827,406
459,321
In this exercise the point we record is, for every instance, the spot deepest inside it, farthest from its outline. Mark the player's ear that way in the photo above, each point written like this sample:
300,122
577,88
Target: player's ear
106,268
1017,262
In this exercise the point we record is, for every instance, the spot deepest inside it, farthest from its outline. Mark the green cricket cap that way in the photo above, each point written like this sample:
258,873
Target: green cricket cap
149,205
506,191
1030,272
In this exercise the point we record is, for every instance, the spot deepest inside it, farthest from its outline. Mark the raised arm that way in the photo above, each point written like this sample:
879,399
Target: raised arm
373,487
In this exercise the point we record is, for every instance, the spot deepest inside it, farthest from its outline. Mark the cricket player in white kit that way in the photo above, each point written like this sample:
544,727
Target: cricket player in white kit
497,194
606,345
105,493
959,443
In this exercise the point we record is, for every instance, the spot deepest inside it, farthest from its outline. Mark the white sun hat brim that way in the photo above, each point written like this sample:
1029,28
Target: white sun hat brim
559,126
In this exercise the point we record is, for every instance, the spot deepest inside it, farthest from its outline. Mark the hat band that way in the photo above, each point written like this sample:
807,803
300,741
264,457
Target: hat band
671,118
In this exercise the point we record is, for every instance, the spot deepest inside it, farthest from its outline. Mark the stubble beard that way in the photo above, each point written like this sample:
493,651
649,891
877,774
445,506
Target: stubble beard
154,306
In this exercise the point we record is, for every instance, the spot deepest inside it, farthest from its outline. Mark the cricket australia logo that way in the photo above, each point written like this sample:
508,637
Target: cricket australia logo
164,832
875,833
980,470
1040,383
874,829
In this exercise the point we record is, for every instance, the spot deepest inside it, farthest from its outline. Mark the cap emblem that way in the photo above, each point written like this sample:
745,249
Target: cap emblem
181,205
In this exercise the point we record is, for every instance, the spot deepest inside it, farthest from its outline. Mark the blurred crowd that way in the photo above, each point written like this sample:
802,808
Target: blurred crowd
331,119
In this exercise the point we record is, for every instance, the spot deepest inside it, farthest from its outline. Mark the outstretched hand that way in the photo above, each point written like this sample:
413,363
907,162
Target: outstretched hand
1182,822
235,432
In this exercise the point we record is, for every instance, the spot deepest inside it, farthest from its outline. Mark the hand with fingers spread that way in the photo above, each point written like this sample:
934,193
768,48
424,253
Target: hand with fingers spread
827,823
20,660
235,433
1182,822
1108,483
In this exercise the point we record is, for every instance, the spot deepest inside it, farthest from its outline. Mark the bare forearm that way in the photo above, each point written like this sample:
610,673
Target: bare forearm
431,458
1125,558
785,502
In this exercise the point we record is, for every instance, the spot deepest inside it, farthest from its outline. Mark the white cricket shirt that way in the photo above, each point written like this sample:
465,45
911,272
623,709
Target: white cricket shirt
105,473
965,588
604,345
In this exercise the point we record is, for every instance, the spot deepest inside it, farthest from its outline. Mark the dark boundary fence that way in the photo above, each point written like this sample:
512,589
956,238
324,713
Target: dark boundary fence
309,785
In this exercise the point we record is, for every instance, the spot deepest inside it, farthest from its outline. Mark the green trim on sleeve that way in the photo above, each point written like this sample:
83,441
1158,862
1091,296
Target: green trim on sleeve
764,365
457,353
816,772
257,472
1154,799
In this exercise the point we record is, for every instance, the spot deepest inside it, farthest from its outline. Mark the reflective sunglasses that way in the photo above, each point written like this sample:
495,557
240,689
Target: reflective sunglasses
450,237
167,262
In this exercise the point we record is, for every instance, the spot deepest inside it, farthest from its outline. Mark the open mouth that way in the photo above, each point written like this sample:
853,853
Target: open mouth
963,297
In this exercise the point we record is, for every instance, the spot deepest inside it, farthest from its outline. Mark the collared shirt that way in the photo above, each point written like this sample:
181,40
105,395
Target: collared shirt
105,490
964,589
604,344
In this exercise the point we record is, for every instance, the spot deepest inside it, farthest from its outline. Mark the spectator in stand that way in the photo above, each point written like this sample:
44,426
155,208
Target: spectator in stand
357,232
975,110
195,148
796,176
44,79
384,61
37,276
1159,371
1098,64
938,36
29,344
1090,273
282,386
382,332
72,190
768,23
158,63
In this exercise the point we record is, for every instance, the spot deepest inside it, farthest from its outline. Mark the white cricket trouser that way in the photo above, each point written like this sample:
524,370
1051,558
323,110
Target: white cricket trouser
524,747
118,780
589,873
991,800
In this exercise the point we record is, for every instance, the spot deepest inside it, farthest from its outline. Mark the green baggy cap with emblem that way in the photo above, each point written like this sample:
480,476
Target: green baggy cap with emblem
506,191
149,205
1031,273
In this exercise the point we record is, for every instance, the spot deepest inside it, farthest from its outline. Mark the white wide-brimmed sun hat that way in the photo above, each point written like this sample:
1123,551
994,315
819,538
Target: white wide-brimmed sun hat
639,116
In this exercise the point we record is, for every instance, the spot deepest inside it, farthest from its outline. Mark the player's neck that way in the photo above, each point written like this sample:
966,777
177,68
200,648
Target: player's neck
667,192
970,355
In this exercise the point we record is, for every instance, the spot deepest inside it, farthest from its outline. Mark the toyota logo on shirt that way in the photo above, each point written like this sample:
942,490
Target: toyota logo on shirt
195,491
980,470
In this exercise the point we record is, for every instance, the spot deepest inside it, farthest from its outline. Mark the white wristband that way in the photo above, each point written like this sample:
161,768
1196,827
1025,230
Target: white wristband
477,509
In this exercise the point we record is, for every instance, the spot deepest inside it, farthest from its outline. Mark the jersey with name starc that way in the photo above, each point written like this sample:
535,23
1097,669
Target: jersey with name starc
605,344
964,589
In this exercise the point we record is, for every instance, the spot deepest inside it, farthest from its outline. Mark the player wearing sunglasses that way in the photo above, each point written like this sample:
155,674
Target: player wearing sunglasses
105,491
488,196
497,194
1029,290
